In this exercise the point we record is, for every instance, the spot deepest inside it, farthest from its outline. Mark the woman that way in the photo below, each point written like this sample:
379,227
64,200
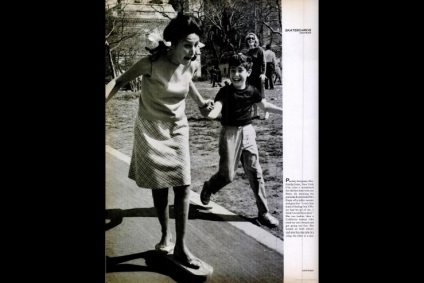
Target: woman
257,77
160,157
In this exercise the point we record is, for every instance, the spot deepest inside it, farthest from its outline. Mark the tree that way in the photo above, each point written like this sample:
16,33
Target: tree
119,39
178,5
268,18
226,23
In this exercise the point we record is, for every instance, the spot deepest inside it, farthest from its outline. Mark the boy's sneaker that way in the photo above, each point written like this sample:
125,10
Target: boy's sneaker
205,195
268,220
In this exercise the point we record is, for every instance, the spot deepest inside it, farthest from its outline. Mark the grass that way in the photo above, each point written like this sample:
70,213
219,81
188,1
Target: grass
236,196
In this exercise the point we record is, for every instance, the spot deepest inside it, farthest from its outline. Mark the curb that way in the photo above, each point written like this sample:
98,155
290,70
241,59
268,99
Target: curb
262,236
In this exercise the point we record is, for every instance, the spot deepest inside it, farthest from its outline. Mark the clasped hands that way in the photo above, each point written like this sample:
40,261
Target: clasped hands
207,107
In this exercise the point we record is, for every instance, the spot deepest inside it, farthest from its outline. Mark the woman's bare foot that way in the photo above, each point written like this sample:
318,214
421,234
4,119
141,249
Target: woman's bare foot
165,244
185,257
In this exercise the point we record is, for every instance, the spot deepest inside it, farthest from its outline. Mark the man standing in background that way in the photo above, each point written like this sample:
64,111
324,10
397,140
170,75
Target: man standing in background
271,62
278,72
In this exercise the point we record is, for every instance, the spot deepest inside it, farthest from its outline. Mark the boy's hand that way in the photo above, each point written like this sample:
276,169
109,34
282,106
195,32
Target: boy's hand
208,107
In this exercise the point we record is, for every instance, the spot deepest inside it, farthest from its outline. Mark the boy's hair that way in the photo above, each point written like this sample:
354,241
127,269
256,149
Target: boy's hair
240,60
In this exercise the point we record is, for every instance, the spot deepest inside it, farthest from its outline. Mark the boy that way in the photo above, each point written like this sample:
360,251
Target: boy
237,139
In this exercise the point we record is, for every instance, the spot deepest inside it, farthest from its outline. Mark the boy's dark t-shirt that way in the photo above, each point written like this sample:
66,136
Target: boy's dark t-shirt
237,104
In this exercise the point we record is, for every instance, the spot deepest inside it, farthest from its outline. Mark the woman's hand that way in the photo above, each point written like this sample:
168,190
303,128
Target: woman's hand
209,104
207,107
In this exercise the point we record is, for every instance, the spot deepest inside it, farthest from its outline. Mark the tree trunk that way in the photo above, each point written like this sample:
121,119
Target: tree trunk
109,57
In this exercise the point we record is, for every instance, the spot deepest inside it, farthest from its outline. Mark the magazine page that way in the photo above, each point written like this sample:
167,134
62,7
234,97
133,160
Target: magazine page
300,140
226,231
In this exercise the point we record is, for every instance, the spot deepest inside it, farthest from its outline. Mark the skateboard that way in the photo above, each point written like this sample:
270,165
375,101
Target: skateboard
204,271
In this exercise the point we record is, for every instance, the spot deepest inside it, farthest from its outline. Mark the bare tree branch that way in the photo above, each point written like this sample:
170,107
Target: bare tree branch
112,29
123,38
271,29
160,12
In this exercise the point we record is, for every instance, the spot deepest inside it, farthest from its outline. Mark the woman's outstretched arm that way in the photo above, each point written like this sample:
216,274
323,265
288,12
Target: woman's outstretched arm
141,67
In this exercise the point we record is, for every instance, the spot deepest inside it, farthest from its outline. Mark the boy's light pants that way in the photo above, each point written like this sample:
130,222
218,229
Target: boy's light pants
239,144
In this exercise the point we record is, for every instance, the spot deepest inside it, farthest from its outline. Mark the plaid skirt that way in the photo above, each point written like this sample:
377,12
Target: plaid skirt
160,157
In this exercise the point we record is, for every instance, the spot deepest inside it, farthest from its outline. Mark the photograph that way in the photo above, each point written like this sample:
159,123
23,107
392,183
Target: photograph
202,184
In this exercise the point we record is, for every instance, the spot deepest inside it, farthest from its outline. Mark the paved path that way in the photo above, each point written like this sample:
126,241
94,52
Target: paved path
238,250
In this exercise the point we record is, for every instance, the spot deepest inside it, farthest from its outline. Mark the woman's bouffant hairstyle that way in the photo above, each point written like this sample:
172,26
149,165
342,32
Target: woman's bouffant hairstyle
256,39
177,29
181,26
240,60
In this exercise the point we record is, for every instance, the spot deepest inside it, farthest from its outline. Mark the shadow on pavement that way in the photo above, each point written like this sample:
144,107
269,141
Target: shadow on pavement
116,215
154,263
